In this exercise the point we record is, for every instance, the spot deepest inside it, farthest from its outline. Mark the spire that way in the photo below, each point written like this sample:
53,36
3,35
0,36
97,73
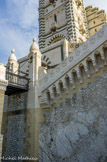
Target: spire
34,46
12,64
12,56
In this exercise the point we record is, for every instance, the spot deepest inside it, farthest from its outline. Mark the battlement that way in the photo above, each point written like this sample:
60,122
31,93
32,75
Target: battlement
88,59
96,19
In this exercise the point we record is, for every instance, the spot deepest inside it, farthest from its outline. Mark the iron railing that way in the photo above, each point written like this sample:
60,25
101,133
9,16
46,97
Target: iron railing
17,80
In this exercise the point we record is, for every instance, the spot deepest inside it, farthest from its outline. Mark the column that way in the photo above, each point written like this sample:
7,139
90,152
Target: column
3,85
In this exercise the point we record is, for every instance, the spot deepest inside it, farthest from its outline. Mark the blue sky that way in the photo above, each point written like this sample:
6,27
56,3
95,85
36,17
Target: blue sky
19,24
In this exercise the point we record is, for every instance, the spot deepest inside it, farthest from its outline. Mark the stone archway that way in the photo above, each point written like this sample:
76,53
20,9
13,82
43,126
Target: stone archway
56,38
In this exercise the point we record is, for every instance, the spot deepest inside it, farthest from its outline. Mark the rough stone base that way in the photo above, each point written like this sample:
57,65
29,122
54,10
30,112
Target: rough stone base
76,130
14,124
1,141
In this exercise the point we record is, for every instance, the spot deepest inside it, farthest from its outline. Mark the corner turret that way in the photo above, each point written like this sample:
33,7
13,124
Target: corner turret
12,65
34,61
34,70
34,47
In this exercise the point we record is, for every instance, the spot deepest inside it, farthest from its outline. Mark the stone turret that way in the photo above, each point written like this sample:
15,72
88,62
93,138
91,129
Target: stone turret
33,105
34,47
12,65
34,66
96,19
34,61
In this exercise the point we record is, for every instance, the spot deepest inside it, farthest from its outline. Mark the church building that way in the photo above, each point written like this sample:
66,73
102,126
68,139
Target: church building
53,101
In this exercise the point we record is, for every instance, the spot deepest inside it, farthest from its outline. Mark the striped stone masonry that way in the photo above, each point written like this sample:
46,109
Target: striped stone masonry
70,22
88,59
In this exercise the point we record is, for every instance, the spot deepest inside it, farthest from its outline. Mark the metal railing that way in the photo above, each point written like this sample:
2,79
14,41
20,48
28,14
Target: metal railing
17,80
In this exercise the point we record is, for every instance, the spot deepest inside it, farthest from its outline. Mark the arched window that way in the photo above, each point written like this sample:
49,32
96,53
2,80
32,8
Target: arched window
52,1
55,18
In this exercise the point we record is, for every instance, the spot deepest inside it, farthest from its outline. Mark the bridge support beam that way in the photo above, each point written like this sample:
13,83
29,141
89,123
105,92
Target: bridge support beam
3,85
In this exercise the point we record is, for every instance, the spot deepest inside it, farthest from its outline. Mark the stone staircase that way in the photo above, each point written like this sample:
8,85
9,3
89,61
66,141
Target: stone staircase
79,66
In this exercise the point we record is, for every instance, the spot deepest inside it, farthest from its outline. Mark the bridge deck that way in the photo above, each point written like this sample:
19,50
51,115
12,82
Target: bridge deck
16,83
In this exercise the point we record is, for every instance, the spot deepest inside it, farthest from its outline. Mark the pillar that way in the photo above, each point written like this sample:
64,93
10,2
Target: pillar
3,85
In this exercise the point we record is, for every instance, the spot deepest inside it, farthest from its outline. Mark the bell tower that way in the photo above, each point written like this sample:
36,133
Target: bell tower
62,19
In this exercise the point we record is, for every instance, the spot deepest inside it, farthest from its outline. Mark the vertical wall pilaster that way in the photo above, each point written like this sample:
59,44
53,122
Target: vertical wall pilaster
33,112
3,85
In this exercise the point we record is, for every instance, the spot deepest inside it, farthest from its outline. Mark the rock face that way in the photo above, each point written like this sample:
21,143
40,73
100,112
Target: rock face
76,130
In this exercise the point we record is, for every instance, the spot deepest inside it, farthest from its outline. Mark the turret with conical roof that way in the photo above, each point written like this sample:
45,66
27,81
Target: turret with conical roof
12,57
12,65
35,61
34,46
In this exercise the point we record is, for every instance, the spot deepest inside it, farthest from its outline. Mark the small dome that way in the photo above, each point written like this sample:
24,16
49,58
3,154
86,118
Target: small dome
34,46
12,56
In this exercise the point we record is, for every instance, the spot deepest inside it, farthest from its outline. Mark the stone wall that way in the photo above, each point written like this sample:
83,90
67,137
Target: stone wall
3,85
1,106
14,125
76,129
15,136
1,114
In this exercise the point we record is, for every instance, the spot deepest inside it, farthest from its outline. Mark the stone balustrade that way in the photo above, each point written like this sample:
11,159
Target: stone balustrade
88,59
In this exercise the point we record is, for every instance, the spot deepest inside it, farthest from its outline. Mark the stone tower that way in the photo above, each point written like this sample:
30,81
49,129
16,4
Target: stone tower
59,19
96,19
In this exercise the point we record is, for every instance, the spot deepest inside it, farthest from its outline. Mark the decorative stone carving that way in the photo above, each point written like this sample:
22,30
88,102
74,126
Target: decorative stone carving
64,63
92,40
46,79
101,33
51,73
58,69
77,52
85,46
70,58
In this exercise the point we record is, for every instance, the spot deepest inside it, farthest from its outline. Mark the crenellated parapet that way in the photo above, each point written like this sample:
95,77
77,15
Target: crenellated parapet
85,61
95,18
